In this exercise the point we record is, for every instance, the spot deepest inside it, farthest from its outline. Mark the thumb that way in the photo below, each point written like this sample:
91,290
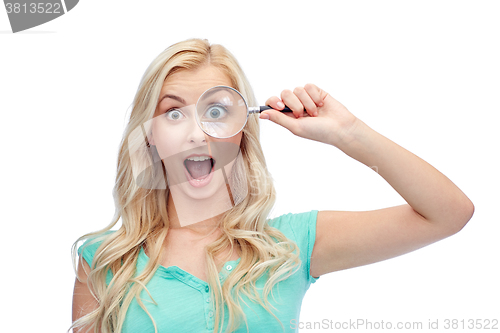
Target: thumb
279,118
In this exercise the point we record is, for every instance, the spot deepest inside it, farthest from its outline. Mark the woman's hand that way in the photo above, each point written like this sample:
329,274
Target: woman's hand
324,118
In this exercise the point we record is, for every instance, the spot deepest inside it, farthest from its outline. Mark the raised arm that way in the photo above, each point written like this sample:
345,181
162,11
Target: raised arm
436,208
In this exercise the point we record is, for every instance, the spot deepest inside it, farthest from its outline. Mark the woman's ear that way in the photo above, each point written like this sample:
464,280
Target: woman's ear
151,139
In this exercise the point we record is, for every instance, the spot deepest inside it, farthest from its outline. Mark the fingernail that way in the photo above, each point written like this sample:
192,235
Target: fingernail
281,105
320,104
264,116
315,113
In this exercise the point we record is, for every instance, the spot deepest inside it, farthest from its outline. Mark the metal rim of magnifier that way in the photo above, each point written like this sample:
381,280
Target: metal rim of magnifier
198,119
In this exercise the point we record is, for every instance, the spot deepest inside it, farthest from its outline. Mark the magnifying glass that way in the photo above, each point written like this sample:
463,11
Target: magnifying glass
222,112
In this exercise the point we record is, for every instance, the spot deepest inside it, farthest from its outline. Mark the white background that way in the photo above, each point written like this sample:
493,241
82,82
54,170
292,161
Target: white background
425,74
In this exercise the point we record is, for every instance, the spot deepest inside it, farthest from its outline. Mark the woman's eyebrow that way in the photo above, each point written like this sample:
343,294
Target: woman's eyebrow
177,98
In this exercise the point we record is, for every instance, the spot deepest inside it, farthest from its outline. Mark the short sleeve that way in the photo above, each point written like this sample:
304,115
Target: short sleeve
88,249
302,229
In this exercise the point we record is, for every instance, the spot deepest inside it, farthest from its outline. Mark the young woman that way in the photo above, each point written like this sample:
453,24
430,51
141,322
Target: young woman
195,251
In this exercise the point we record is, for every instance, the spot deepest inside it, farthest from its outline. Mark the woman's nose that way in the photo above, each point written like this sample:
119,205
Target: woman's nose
195,134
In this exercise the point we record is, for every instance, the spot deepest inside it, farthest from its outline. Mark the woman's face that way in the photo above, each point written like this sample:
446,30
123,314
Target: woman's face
192,159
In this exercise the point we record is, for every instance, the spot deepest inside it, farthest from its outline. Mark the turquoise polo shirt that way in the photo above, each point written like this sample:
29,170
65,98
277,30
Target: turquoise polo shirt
183,300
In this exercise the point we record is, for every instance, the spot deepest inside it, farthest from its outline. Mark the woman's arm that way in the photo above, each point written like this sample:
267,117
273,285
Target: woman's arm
83,301
436,207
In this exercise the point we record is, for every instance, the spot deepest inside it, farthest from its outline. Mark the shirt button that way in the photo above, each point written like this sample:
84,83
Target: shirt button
229,267
210,314
208,299
206,289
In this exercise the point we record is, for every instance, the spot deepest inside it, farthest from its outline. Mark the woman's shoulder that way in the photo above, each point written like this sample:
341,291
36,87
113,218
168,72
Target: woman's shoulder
91,244
299,227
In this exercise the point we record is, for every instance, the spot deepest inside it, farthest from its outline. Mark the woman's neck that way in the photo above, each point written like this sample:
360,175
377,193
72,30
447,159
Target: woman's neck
201,228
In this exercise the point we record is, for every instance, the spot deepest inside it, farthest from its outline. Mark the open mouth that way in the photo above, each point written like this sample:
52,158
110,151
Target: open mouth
199,167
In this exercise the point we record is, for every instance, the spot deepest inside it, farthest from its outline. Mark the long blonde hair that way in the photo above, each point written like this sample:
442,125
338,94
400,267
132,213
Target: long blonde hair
145,222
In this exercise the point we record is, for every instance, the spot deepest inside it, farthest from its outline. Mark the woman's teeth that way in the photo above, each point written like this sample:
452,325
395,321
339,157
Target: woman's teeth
198,158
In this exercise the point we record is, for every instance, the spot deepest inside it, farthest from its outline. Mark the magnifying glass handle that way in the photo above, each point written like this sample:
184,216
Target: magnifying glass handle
258,109
286,109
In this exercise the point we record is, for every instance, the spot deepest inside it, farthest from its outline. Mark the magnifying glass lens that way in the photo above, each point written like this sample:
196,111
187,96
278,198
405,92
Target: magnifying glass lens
221,112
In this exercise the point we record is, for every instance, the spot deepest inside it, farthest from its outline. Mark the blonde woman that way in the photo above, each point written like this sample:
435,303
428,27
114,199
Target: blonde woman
198,254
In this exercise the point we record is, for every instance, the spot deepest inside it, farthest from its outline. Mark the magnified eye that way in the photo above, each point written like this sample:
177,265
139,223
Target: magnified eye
216,111
174,114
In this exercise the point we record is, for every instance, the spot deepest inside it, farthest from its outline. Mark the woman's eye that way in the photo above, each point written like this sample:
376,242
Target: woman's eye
216,111
174,114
